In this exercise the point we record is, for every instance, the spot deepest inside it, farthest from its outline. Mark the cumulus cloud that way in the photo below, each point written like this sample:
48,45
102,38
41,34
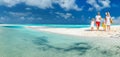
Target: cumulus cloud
10,3
4,19
116,20
105,3
100,4
28,8
64,15
18,13
115,5
90,9
18,17
43,4
69,4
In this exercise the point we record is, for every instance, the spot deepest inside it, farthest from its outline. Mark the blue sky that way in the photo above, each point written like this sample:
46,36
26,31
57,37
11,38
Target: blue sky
56,11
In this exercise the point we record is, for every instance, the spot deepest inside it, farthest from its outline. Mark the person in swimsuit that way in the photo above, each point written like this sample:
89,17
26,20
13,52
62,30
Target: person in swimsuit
98,19
108,20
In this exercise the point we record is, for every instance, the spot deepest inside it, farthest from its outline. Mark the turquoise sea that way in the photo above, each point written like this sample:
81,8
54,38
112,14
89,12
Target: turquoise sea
18,41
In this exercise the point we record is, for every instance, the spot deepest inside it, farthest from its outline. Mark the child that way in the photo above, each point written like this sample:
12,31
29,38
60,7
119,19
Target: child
104,24
92,24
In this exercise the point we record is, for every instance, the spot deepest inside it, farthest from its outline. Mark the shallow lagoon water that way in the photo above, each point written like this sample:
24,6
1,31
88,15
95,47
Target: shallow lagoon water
22,42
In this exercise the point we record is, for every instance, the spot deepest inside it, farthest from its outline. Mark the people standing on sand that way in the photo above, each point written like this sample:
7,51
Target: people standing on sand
108,21
98,19
92,24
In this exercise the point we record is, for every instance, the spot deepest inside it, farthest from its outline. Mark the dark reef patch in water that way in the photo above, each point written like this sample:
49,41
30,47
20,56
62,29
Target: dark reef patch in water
41,40
44,45
13,26
80,47
115,50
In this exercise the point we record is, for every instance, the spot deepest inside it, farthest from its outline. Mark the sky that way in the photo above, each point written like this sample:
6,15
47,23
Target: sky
56,11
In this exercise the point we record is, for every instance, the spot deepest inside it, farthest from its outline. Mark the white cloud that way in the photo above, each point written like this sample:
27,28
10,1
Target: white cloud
105,3
43,4
18,17
67,15
64,15
10,3
18,13
90,9
22,18
3,19
100,4
28,8
69,4
116,20
115,5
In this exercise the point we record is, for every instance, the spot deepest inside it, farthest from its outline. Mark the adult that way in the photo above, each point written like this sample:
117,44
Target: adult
108,20
98,19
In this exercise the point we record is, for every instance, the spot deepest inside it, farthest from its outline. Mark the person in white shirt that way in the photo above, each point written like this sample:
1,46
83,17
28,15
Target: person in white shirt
92,24
108,20
98,19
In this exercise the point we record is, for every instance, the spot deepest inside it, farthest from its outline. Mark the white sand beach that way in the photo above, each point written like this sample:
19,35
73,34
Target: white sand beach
115,31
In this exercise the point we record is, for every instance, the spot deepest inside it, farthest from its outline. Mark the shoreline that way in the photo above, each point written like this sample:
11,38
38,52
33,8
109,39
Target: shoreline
84,32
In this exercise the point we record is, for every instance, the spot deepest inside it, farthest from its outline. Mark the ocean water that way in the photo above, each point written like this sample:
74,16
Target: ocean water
17,41
61,26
